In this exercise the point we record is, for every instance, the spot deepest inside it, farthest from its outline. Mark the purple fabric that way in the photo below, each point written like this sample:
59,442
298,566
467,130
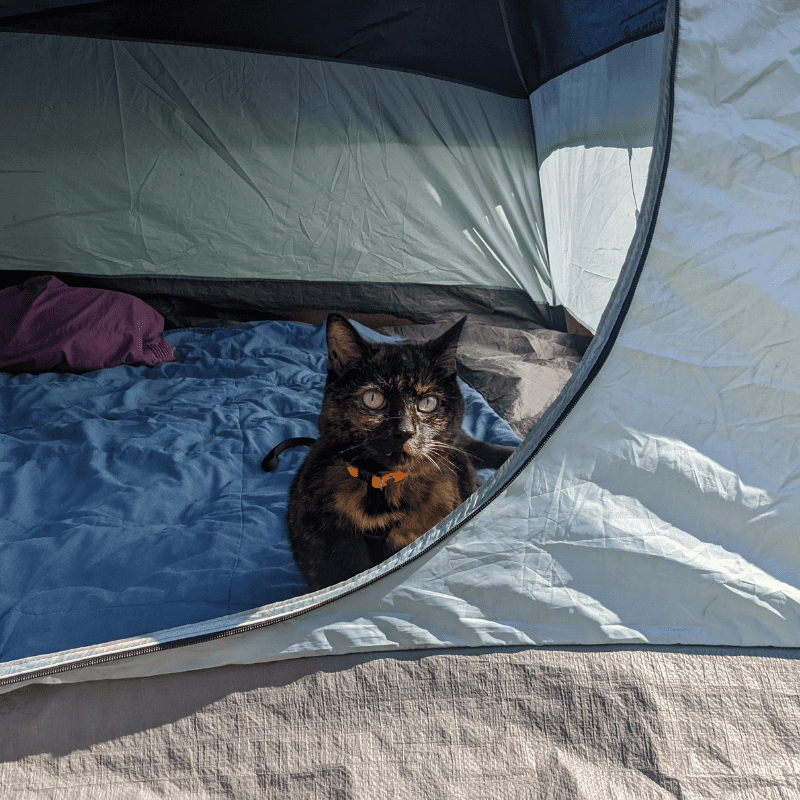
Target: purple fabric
46,326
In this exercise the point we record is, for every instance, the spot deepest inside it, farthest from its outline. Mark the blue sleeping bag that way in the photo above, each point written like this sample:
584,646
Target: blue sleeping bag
132,499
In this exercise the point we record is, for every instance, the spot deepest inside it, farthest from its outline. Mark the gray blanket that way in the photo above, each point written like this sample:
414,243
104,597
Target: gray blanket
519,372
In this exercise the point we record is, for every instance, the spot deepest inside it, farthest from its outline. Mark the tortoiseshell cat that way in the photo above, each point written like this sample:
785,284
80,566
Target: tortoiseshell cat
391,460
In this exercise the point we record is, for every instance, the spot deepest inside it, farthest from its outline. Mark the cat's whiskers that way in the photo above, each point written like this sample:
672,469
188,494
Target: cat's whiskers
436,448
444,445
432,460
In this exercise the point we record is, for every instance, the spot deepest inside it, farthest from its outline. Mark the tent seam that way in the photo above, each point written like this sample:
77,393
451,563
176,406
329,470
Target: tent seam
511,49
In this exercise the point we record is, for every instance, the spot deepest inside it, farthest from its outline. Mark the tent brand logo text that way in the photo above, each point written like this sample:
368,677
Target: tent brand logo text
648,20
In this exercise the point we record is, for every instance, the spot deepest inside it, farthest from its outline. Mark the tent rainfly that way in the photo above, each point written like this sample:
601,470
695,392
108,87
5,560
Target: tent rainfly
616,611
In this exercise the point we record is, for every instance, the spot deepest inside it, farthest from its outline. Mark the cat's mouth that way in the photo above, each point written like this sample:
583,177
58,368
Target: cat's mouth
390,453
394,459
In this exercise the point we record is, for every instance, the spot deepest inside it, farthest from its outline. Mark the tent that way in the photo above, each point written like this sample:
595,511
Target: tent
615,612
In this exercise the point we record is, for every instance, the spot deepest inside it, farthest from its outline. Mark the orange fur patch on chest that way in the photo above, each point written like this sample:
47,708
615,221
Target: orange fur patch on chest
348,502
413,507
443,498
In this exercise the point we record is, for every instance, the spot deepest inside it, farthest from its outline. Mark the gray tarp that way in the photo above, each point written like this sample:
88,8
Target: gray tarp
566,724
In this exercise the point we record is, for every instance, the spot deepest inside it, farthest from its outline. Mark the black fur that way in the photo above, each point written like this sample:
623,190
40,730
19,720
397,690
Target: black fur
339,525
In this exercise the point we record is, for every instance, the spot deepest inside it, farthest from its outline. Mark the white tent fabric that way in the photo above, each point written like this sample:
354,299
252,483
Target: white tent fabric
593,144
664,507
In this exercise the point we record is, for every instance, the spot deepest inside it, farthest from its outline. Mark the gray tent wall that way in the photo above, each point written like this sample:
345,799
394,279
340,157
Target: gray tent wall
175,162
149,165
318,175
657,500
593,146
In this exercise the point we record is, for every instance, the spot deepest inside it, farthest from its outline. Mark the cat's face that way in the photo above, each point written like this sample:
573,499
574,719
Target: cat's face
391,406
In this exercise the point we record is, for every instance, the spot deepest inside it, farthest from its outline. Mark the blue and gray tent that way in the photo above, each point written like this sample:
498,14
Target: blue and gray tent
615,612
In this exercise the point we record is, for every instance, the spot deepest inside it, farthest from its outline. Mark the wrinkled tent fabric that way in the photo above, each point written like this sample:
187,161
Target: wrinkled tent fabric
224,164
651,512
510,48
593,143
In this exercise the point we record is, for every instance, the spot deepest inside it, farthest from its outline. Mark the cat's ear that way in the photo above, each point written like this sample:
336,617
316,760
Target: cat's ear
443,349
345,345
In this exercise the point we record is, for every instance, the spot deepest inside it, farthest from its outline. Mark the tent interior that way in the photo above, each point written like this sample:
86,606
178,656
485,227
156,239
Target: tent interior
244,173
615,612
608,193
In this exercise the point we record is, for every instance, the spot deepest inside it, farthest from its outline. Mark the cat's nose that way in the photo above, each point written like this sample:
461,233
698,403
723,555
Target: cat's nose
406,426
401,437
401,430
397,442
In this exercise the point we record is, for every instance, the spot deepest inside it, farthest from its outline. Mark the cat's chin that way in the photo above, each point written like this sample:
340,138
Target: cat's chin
390,462
395,461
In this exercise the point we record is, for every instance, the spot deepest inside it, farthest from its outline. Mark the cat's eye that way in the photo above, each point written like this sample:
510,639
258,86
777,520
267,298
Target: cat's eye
428,403
372,399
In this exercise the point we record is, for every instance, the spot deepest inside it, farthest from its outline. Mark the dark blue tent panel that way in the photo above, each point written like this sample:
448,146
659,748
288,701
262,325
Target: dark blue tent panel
509,46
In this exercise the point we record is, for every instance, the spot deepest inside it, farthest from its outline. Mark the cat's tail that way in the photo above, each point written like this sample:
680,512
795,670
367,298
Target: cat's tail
270,462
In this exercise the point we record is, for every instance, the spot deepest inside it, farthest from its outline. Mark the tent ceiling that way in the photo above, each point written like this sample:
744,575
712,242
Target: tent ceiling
462,40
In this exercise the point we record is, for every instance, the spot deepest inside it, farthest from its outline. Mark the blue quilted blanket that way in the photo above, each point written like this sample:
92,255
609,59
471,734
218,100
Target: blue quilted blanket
132,499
